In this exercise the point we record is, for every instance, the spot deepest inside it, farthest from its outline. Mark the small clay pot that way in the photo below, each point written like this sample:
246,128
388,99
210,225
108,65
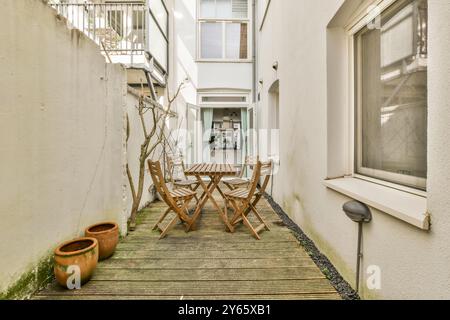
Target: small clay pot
107,234
82,252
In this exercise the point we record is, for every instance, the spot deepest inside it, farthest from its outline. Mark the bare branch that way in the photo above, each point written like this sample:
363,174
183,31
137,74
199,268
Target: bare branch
131,182
171,100
128,129
153,138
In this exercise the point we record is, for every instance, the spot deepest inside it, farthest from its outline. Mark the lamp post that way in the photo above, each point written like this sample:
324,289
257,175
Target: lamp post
359,213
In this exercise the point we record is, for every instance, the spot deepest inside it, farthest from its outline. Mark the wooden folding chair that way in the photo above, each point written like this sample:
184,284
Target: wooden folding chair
178,201
266,174
174,163
240,181
244,201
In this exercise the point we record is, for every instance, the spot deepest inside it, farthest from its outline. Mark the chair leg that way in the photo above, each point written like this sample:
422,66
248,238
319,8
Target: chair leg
226,207
188,219
161,219
194,189
253,231
260,218
169,226
237,213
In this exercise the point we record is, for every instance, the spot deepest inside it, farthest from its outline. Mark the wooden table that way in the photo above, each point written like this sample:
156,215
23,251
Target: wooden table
215,172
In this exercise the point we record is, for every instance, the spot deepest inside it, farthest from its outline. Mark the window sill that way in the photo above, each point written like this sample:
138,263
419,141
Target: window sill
402,205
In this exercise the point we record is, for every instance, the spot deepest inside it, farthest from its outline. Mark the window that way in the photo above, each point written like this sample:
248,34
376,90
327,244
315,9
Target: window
224,99
223,29
391,96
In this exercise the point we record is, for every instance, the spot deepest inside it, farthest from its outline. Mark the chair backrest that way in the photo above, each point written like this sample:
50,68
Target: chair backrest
266,172
159,182
255,179
174,162
249,161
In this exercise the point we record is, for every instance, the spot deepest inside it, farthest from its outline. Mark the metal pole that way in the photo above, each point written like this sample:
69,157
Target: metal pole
359,255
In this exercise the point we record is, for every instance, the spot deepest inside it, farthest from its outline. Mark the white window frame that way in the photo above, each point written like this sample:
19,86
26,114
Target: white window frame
224,104
247,20
356,25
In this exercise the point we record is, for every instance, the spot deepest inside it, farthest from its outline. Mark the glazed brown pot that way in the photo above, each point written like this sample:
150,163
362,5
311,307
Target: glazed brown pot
82,252
107,234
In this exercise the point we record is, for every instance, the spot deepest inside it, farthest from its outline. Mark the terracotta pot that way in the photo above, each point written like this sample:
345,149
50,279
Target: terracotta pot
107,234
82,252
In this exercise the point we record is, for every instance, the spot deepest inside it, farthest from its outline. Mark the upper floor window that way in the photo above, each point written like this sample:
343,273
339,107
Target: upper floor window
223,29
224,9
391,95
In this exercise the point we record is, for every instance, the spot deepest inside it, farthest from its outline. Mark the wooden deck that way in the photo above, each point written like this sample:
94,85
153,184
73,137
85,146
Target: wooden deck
205,264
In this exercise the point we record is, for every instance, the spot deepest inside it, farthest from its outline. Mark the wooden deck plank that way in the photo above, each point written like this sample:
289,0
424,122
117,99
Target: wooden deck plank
209,254
211,245
309,296
181,235
207,263
202,263
198,288
301,273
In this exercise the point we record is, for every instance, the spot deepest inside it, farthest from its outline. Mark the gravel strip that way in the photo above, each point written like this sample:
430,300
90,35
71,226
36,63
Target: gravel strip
327,268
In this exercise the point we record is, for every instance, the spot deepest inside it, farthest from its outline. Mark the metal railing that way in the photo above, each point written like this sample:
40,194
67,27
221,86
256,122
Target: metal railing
118,28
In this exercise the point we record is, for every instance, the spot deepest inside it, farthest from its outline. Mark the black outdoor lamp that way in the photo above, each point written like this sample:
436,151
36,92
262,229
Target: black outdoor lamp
359,213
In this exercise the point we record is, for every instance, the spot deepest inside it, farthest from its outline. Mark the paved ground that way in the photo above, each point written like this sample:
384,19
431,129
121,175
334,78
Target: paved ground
205,264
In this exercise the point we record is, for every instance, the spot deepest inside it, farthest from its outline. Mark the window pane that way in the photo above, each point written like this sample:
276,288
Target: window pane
223,9
211,41
208,8
224,99
393,93
236,41
240,9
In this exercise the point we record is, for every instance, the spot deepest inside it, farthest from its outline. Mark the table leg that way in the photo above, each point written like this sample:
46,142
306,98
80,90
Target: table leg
223,215
202,202
220,191
209,186
215,180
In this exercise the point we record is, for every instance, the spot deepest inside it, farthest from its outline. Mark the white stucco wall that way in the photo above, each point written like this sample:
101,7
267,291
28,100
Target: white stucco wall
414,263
61,136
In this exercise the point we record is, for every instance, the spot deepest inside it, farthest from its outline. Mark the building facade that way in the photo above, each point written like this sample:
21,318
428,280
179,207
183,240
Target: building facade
349,98
357,91
213,48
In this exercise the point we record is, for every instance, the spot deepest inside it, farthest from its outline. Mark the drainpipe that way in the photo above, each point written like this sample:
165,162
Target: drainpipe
254,71
254,50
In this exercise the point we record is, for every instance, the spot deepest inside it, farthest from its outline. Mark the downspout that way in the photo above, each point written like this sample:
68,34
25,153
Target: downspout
254,66
254,51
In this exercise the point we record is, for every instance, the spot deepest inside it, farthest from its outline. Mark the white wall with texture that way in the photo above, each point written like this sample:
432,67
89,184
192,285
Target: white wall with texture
61,136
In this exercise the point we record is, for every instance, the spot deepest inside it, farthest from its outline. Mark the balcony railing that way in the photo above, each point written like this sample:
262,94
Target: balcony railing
118,28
